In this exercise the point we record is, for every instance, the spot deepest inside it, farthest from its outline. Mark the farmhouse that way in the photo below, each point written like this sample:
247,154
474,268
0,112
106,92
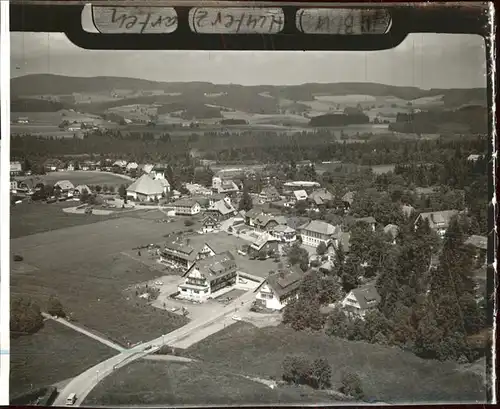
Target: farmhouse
392,231
279,288
348,200
370,221
320,198
210,223
146,189
65,186
438,221
208,276
15,168
80,189
184,252
223,185
70,167
131,166
301,185
284,233
122,164
317,231
31,184
222,209
51,165
361,300
269,194
299,195
187,207
266,242
159,171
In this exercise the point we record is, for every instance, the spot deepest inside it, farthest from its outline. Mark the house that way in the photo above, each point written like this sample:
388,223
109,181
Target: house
425,191
370,221
392,231
22,120
480,245
197,189
299,195
220,185
74,128
473,157
320,198
15,168
184,252
210,224
438,221
301,185
251,216
14,186
317,231
70,167
146,189
51,165
159,171
222,209
270,194
80,189
208,276
65,186
284,233
361,300
131,166
187,207
348,200
267,222
279,288
122,164
266,242
146,168
31,184
407,210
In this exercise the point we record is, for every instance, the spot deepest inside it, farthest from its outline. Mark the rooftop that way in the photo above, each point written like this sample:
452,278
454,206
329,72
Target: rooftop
321,227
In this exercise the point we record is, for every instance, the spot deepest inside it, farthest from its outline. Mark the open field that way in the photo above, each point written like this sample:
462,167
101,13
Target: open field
55,118
26,219
388,374
53,354
87,178
167,383
83,267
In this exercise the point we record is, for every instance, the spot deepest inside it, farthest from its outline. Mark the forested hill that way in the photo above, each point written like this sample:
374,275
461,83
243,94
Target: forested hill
49,84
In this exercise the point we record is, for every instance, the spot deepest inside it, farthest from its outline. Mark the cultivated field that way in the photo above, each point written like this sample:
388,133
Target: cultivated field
87,178
168,383
388,374
83,266
53,354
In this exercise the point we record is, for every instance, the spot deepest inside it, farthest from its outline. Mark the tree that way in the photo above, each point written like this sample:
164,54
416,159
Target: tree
188,222
297,370
84,196
321,249
55,308
351,386
122,191
321,374
245,201
298,255
98,188
25,316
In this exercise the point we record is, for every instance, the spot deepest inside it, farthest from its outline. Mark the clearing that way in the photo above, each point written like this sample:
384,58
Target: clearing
388,374
87,178
51,355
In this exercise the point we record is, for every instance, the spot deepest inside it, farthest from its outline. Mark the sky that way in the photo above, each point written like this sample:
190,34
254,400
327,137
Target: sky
423,60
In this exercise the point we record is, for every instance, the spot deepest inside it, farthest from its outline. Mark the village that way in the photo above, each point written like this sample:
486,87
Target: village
235,244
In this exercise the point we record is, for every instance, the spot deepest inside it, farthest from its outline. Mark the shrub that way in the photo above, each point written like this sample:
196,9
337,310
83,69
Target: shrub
25,316
55,307
351,385
188,222
18,258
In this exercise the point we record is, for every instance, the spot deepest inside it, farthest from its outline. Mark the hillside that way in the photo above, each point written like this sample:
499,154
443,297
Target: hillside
235,96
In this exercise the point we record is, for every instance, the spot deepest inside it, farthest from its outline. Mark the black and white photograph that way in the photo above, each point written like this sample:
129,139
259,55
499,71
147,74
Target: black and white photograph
249,227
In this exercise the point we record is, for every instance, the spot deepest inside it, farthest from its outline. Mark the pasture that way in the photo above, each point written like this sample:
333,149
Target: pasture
55,118
85,268
53,354
197,383
87,178
387,373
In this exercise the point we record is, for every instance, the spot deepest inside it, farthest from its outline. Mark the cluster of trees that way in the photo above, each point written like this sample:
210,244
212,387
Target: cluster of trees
26,315
299,370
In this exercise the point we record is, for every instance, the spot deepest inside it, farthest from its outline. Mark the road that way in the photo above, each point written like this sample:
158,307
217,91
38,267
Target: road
83,384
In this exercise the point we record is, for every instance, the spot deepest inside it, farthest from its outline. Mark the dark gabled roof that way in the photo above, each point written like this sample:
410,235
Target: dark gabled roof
368,219
214,267
285,281
185,202
367,295
254,212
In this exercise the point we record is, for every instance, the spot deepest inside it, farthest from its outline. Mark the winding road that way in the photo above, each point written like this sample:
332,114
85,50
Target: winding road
83,384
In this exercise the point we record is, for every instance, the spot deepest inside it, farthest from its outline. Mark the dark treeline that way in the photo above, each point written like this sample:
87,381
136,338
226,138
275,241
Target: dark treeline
339,120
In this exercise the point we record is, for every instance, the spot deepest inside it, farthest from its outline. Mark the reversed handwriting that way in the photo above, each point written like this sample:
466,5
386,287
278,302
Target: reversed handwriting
134,20
342,21
243,20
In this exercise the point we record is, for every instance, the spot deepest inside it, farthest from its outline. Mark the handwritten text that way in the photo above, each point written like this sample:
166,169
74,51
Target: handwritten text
135,20
234,20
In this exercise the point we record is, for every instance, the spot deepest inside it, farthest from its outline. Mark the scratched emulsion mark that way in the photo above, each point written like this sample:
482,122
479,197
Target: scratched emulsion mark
135,20
343,21
236,20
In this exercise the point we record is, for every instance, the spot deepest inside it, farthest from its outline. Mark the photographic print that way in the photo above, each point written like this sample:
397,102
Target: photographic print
248,227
